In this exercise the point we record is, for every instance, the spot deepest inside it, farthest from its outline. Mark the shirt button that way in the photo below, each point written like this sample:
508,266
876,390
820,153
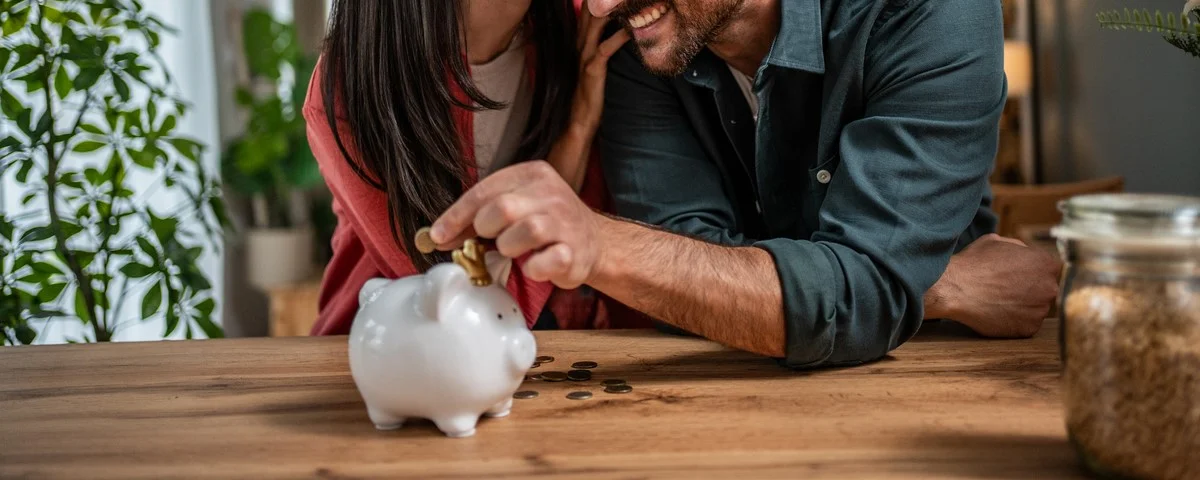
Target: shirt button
824,176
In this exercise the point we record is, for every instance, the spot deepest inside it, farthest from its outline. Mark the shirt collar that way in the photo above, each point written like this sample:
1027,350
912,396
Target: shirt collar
801,40
799,45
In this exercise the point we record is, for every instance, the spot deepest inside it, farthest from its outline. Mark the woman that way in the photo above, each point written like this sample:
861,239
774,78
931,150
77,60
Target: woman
414,100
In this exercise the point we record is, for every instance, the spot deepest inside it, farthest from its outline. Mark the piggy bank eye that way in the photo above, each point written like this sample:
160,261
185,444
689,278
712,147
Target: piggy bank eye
500,316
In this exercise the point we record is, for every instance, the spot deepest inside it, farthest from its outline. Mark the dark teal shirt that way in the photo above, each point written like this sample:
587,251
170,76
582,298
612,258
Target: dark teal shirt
867,167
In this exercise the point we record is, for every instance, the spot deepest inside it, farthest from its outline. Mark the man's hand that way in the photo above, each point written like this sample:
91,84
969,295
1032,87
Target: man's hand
528,208
998,287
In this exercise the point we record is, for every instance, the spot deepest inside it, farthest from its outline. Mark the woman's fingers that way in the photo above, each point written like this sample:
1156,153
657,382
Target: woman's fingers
594,29
585,20
598,65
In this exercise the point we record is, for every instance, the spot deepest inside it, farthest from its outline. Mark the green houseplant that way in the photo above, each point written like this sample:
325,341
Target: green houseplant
1183,32
88,118
271,164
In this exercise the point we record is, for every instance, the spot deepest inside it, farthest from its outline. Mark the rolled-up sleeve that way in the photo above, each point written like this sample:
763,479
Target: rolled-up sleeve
910,179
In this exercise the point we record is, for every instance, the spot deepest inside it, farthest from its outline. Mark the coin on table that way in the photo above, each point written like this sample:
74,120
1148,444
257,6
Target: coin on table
525,395
535,377
618,389
584,365
612,381
544,359
535,365
424,241
579,395
554,376
579,375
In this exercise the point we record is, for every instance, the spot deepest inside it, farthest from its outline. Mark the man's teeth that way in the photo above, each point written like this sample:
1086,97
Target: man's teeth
645,19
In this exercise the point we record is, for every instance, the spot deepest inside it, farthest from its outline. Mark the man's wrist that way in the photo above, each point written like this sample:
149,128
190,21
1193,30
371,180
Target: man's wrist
607,265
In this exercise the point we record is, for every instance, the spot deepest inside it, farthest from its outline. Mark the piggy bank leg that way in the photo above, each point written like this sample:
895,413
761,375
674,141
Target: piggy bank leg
458,426
383,420
500,409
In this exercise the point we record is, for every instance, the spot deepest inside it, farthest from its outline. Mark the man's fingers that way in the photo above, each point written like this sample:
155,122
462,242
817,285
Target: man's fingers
461,215
529,234
551,263
503,211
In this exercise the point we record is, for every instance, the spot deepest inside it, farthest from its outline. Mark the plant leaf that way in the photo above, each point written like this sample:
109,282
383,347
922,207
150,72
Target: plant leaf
62,83
147,247
152,301
88,146
81,310
9,103
25,334
121,86
137,270
51,292
37,234
205,321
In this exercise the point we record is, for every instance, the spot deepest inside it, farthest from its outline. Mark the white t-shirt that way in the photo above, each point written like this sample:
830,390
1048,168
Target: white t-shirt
498,132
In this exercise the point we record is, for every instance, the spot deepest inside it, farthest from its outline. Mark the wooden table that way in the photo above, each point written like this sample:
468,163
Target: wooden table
944,405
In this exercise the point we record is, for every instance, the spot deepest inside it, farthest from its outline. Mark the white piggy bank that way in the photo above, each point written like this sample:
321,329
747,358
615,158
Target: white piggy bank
435,346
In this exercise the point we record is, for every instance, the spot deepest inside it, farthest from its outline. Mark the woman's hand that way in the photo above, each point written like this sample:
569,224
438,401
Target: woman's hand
569,156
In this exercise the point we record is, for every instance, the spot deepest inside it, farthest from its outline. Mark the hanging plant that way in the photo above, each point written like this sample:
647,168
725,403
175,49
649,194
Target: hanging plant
87,112
1183,32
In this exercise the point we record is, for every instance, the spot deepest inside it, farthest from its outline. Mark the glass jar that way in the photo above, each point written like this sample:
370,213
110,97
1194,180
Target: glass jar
1130,335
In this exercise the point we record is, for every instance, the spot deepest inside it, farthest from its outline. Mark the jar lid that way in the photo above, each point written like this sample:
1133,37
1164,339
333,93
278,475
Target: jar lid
1141,218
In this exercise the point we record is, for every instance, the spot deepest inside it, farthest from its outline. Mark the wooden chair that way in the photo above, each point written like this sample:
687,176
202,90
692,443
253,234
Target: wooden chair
1027,212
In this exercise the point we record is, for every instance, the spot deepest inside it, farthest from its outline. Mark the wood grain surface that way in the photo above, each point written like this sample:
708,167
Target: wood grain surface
944,405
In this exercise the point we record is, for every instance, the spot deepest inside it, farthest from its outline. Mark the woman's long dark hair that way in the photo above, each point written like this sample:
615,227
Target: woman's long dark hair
391,64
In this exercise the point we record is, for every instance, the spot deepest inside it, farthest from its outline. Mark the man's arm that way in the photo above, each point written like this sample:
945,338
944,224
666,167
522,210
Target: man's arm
727,294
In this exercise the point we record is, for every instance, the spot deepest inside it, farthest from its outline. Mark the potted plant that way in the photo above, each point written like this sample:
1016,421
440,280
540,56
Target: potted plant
89,134
1183,33
271,164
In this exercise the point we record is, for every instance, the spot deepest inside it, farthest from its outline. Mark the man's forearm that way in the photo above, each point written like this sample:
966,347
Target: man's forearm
730,295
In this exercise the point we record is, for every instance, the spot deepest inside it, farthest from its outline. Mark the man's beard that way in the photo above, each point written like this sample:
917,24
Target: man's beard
694,30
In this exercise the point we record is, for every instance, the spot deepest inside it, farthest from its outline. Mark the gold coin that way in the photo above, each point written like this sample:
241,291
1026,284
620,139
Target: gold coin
554,376
424,242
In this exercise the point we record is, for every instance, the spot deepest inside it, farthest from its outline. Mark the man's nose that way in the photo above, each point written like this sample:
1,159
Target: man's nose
601,8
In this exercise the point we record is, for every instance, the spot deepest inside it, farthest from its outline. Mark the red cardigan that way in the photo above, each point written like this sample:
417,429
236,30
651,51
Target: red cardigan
363,247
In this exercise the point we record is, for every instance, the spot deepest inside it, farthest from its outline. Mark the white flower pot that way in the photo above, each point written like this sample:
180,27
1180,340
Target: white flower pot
279,256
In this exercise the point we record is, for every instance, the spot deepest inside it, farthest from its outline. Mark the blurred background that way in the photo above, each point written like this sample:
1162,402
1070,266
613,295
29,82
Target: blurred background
159,110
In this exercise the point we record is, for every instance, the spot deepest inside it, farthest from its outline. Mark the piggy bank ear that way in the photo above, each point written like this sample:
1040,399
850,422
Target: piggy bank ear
371,289
442,284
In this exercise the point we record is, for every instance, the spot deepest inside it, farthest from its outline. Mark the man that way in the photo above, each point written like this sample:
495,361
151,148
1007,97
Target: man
809,167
